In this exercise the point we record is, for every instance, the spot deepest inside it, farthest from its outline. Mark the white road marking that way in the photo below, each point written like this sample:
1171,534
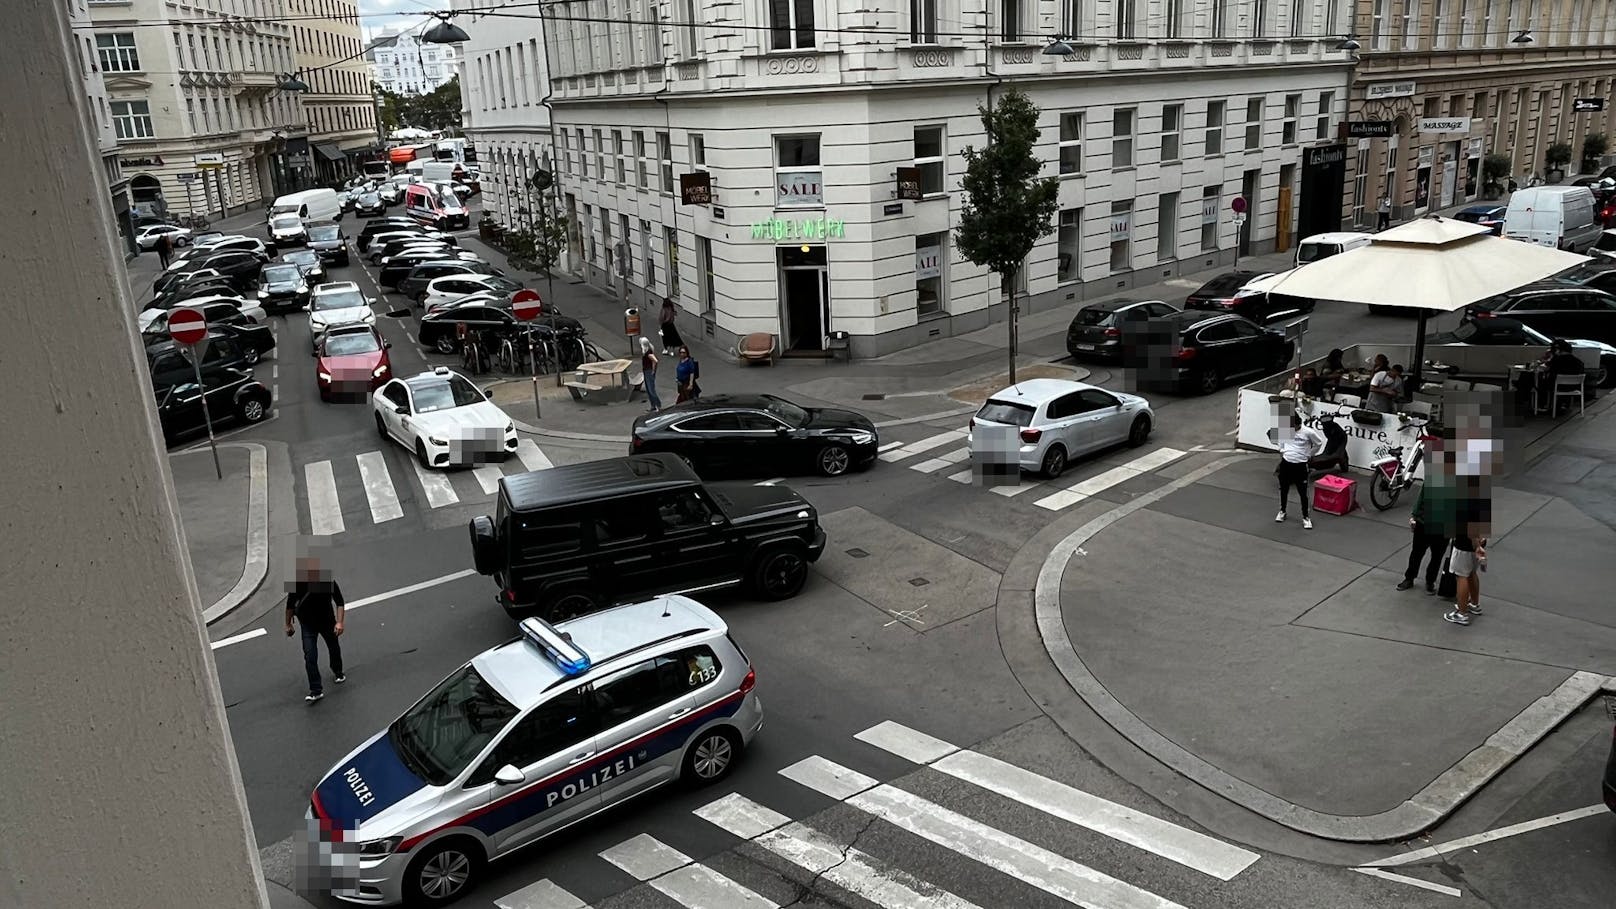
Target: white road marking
1411,881
1053,873
436,486
532,457
963,476
325,509
274,370
541,895
1016,490
1097,484
379,487
488,477
1440,849
1170,841
238,638
674,874
411,588
941,461
910,449
834,780
842,865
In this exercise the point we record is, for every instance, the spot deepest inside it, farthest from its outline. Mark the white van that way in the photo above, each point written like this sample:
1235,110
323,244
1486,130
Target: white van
1323,246
1557,216
309,205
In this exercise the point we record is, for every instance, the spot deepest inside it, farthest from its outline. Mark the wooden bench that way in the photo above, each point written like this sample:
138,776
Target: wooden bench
607,375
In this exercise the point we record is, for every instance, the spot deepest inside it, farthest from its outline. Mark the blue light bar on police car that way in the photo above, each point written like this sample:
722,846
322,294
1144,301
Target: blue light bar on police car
557,647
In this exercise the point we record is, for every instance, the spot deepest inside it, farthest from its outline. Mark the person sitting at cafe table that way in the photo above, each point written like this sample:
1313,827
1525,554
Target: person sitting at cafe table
1309,383
1558,361
1333,372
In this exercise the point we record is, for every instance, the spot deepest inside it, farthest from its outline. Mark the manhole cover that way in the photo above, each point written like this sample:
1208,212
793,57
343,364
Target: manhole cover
919,582
857,553
876,397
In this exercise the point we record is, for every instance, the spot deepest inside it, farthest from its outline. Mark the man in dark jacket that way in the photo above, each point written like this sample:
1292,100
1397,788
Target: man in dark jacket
165,250
1428,538
315,601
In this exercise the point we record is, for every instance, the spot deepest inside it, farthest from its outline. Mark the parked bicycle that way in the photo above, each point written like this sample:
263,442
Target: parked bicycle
1394,473
194,222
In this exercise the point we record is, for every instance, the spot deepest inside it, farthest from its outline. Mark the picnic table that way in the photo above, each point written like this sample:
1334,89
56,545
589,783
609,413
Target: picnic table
605,375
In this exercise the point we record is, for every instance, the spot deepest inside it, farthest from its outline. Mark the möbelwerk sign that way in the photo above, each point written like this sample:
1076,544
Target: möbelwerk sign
1444,124
803,229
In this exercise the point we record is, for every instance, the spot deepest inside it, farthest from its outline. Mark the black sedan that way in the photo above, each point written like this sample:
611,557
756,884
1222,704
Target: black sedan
758,435
205,286
1204,350
1226,293
399,266
283,288
232,394
382,225
369,204
1489,215
308,262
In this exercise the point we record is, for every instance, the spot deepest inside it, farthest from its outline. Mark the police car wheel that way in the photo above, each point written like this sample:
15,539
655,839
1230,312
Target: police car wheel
442,873
711,756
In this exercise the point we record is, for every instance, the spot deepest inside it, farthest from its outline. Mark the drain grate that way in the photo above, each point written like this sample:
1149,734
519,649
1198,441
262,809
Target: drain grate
876,397
858,553
918,582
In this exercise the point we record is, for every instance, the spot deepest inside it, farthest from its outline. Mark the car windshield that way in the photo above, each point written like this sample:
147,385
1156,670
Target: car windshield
444,394
286,223
301,257
787,411
351,344
1313,252
342,299
282,274
439,737
323,232
1006,412
502,285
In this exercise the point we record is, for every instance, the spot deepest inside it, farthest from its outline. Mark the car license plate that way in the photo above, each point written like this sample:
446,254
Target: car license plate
1085,346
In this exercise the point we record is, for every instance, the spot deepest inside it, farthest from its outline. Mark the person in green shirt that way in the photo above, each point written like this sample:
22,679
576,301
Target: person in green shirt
1428,538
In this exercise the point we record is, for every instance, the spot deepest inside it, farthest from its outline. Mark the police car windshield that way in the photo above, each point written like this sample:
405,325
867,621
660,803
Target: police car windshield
439,737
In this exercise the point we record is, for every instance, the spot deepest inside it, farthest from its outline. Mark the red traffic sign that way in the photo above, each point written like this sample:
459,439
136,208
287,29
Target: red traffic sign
525,304
186,325
1239,205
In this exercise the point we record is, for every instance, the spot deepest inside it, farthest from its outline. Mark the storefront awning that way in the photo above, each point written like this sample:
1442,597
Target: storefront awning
330,152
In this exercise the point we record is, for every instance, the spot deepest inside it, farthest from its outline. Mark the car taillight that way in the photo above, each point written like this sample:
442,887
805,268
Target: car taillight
636,441
1226,303
510,596
1483,314
750,682
1113,333
1031,435
1184,353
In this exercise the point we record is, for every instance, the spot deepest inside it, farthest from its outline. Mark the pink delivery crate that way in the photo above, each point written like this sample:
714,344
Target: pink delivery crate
1335,495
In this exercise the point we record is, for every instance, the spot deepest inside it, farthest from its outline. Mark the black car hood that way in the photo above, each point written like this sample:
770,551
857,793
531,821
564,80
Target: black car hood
821,418
750,501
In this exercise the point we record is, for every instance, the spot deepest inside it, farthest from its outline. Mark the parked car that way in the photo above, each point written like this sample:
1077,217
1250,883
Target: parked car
232,394
329,243
383,225
1605,246
579,537
337,303
170,365
1598,273
180,291
1205,351
437,330
443,290
1504,332
282,288
1096,331
396,268
253,338
351,361
309,263
215,309
758,435
1488,215
444,419
287,230
413,285
1053,421
1556,309
239,267
392,243
234,243
171,280
146,237
1261,307
369,203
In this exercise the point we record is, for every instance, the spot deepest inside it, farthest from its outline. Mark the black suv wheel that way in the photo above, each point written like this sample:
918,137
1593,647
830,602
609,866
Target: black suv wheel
779,572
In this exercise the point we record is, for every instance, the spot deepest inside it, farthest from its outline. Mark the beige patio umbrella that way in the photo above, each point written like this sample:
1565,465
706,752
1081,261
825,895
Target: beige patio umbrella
1431,264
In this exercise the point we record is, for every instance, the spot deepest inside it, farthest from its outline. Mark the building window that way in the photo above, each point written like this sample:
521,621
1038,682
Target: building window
690,35
1210,203
1127,16
1122,138
1221,10
797,173
1010,20
1172,125
704,262
670,253
1072,17
1175,18
132,119
1293,107
641,166
1439,37
929,283
583,155
923,21
929,158
1214,126
1121,235
698,152
1071,142
791,24
1326,114
117,53
1167,227
619,155
1254,124
1069,246
1411,17
1377,24
645,255
664,147
1259,18
600,155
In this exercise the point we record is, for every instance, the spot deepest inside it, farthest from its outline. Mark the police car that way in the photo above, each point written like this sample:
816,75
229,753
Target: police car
526,739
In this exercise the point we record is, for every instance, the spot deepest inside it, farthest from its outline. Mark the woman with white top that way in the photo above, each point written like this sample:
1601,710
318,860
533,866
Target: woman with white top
1296,449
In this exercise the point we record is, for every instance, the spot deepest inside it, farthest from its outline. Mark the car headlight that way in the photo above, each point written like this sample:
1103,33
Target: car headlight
379,371
381,847
861,437
301,288
263,295
370,317
436,441
325,376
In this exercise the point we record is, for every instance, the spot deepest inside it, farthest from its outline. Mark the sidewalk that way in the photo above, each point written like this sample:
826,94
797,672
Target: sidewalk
142,270
1372,718
225,521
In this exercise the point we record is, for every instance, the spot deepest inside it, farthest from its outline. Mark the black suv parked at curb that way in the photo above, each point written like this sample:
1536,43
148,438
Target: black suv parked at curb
579,538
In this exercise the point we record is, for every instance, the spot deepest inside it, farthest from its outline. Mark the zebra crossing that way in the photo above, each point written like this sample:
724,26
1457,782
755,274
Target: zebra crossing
333,499
952,836
944,454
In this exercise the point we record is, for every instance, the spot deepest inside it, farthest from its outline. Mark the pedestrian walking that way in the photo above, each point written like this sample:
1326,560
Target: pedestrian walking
648,365
1428,539
1295,452
671,342
1467,555
687,373
1383,213
165,250
315,602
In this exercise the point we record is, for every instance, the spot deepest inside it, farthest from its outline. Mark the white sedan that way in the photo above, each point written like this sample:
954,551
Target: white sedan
216,309
337,303
441,291
444,418
146,237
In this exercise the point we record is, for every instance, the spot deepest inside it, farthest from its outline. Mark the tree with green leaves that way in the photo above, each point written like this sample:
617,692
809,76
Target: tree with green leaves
436,109
1008,206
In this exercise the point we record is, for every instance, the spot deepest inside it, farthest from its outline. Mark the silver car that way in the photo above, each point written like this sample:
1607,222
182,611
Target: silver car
1048,422
527,739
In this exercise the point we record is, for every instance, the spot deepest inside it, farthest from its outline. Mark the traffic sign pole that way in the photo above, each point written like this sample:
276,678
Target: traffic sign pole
189,328
526,306
213,444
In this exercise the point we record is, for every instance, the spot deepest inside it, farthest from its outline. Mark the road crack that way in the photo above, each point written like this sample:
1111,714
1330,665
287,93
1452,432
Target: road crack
808,888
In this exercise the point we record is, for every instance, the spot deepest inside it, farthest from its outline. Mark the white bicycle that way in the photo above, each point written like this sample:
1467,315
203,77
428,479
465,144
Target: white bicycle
1394,473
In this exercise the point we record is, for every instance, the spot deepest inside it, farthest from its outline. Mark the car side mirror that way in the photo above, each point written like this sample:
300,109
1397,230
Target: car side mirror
781,430
386,345
508,775
716,520
401,409
308,307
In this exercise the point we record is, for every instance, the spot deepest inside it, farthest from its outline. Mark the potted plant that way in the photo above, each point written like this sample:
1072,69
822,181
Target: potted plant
1594,146
1557,157
1494,171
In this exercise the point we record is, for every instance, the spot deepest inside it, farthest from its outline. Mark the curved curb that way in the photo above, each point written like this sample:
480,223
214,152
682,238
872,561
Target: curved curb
1414,816
532,430
256,566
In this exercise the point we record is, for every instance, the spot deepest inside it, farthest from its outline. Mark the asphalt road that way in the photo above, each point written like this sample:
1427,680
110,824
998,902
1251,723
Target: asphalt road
894,627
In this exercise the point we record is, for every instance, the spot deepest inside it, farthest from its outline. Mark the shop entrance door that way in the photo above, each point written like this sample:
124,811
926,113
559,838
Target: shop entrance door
804,299
1450,175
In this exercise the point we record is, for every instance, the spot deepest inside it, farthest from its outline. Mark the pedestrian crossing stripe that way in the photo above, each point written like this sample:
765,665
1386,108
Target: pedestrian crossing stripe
676,875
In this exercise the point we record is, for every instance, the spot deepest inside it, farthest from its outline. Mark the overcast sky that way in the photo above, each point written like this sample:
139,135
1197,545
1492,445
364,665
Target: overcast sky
379,16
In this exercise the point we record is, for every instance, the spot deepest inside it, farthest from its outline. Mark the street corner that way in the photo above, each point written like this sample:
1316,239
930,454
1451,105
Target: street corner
908,578
224,509
603,417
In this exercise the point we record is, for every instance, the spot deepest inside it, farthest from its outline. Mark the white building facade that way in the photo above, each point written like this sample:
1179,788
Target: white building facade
406,65
200,125
100,124
339,108
503,89
801,113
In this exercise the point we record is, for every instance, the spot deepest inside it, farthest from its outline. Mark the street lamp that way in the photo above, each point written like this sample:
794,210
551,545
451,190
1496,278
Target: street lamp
289,82
1524,38
445,32
1059,48
1349,43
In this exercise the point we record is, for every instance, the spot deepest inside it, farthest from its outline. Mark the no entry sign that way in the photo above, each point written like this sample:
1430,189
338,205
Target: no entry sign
186,325
525,304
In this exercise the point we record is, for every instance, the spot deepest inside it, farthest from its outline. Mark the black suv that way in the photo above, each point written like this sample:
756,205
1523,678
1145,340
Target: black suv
582,537
1200,352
